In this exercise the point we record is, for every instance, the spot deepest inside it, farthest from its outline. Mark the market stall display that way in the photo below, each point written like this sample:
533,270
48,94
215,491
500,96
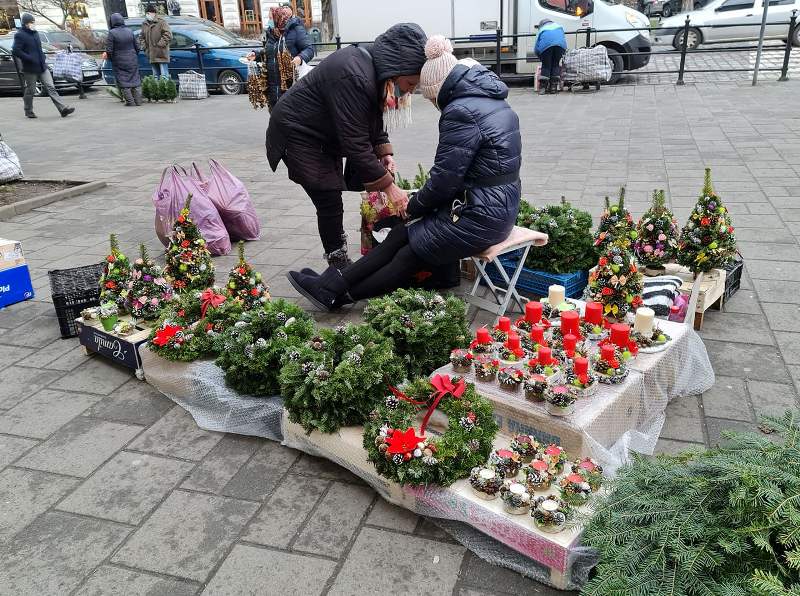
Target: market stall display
246,285
616,282
116,271
656,240
188,260
616,225
148,289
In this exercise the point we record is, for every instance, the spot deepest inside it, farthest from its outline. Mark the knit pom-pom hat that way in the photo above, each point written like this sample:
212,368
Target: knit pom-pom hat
439,52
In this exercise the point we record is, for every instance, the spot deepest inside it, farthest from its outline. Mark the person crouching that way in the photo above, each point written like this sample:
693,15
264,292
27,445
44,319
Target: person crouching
551,44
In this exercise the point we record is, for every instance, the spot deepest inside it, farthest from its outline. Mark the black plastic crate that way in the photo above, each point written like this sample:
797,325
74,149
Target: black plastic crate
733,277
72,291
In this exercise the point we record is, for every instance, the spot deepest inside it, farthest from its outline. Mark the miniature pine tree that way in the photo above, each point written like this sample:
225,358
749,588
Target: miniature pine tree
113,282
171,90
616,225
148,290
616,282
189,265
161,90
707,241
657,234
147,87
246,285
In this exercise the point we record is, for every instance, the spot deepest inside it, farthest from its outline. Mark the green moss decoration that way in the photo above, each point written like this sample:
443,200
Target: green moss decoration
425,327
338,377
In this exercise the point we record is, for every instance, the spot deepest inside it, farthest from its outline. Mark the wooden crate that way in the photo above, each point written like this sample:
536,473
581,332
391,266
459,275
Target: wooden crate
123,350
711,293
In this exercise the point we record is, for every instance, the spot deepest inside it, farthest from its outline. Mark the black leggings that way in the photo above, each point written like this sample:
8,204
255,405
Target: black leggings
551,62
330,211
388,266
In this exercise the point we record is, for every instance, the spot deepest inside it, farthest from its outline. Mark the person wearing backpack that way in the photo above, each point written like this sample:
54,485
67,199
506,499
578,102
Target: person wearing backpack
551,45
27,48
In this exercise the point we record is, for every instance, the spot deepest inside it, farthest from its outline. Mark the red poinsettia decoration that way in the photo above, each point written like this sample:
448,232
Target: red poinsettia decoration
607,291
165,334
637,301
111,285
242,271
179,283
403,441
603,261
185,244
254,292
705,221
181,219
110,258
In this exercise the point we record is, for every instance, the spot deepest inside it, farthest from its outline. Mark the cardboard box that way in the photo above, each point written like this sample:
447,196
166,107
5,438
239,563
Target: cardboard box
11,254
15,285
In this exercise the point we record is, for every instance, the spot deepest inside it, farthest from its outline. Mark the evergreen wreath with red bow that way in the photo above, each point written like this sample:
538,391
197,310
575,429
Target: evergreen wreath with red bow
403,455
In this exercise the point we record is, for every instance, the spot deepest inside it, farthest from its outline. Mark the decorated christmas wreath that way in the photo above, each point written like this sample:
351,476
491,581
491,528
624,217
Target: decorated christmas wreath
401,455
253,347
338,377
425,326
191,326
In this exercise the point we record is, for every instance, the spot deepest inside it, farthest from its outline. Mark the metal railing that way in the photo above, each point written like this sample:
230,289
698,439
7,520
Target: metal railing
501,54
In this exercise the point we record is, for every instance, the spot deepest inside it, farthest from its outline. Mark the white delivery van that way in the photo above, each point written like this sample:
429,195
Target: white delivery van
473,23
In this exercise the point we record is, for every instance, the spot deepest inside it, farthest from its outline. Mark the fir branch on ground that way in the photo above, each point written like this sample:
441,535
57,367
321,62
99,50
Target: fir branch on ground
724,521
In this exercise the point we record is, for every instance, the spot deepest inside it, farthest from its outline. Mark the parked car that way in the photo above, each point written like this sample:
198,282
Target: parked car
221,49
742,16
667,8
61,39
9,77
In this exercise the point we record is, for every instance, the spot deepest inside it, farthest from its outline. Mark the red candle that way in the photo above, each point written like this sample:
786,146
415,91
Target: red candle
569,322
504,324
533,312
593,313
580,366
482,336
607,352
619,335
545,356
537,334
512,343
505,453
570,341
539,464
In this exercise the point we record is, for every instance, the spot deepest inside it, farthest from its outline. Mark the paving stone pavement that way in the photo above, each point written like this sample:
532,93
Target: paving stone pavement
107,487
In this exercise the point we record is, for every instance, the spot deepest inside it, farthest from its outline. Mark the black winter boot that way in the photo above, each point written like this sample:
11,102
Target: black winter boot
544,83
327,291
555,83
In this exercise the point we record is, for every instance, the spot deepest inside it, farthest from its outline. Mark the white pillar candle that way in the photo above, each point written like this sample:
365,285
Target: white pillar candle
517,488
549,505
644,321
556,295
487,474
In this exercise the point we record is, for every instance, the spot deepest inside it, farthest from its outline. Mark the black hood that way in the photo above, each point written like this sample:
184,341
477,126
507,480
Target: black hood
117,20
475,81
399,51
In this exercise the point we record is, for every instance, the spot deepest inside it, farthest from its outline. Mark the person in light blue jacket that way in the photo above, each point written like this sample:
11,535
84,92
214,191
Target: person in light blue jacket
551,44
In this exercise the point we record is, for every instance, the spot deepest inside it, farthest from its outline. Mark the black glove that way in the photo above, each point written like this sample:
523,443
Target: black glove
414,209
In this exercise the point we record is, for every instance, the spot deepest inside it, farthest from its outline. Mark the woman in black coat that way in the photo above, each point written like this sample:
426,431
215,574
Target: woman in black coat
337,112
122,49
470,201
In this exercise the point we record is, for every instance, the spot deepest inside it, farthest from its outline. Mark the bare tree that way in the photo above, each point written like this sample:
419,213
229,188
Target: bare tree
47,8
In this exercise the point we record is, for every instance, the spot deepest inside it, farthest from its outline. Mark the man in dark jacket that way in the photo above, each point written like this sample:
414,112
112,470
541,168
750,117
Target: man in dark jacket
471,200
336,112
27,48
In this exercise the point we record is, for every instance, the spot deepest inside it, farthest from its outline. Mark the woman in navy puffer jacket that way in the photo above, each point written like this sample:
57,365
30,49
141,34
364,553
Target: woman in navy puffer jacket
470,201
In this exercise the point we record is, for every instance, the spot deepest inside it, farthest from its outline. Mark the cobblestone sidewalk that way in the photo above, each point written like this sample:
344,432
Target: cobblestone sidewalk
106,487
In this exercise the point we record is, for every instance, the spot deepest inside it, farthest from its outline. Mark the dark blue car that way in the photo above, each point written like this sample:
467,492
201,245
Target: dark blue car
221,51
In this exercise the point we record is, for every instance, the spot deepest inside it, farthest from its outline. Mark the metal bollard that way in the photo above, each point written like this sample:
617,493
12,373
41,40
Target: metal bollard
338,42
498,43
683,51
588,37
785,69
199,58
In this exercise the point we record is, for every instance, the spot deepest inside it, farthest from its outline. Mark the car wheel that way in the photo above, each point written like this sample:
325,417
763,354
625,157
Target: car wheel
666,10
693,39
617,65
230,82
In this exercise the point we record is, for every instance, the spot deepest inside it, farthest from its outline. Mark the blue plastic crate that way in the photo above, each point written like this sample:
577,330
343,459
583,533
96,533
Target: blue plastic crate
536,283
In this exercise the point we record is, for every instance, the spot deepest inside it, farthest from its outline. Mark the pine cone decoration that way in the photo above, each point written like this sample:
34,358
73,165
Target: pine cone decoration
257,90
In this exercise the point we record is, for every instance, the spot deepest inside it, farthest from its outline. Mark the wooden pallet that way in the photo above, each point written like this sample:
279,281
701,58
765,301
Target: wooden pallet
123,350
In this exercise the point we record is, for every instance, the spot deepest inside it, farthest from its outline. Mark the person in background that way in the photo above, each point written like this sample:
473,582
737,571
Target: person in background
339,111
123,51
174,8
284,32
155,38
27,47
470,201
551,44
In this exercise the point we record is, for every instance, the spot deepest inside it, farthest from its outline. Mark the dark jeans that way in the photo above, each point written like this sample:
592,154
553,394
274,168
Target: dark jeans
387,267
551,62
30,90
330,211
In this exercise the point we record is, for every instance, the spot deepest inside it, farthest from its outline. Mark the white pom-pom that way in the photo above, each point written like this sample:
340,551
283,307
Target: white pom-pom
436,46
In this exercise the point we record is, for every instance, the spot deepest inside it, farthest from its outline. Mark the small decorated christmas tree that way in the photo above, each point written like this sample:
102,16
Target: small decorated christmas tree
148,289
707,241
113,282
616,225
246,285
616,282
189,265
657,234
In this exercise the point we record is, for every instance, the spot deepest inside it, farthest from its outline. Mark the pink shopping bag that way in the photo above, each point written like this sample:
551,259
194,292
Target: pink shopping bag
231,199
170,197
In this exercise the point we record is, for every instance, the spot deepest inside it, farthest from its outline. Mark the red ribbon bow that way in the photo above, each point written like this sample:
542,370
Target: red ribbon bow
209,298
443,385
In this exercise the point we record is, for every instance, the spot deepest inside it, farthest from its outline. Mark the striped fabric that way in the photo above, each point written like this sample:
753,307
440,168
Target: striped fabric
659,293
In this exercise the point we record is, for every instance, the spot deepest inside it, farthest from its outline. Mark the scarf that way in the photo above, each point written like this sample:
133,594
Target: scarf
396,109
280,16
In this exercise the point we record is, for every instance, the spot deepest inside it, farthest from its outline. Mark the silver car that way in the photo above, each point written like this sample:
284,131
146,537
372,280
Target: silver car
742,16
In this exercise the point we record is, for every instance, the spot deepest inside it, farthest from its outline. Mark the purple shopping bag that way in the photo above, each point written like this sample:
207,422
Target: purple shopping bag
231,199
169,198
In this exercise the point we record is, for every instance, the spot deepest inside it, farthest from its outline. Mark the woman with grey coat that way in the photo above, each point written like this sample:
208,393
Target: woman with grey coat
122,50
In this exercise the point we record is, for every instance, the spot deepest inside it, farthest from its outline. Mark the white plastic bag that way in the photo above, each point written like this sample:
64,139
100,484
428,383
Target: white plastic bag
10,168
